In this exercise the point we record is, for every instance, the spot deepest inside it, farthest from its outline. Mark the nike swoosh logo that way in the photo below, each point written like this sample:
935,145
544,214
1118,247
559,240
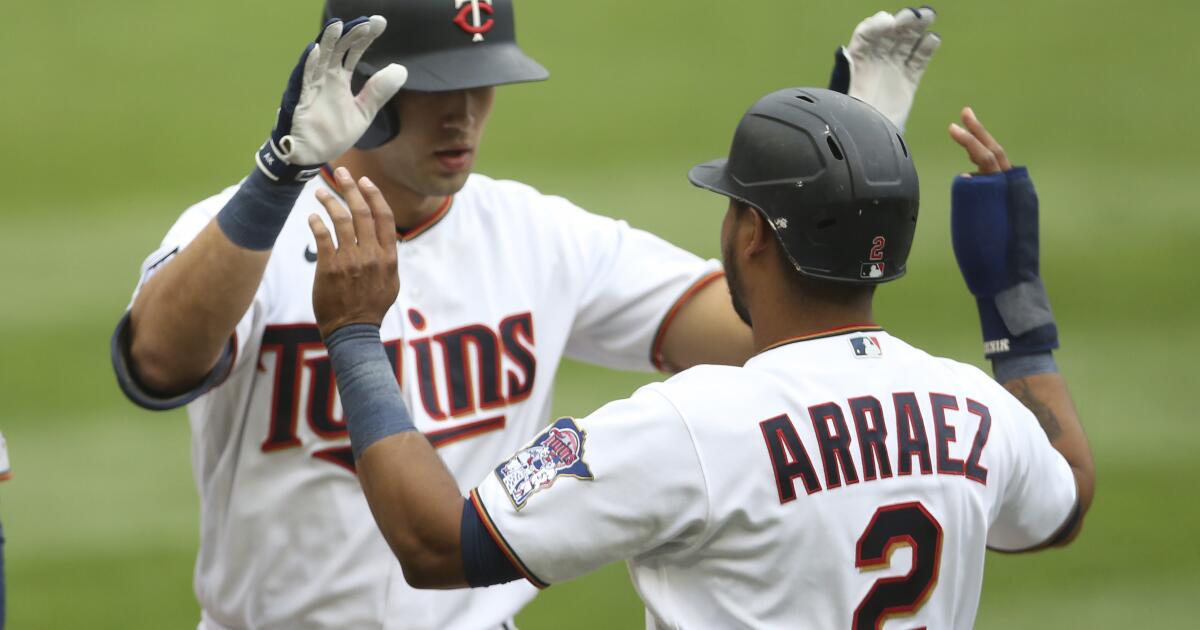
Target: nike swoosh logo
310,255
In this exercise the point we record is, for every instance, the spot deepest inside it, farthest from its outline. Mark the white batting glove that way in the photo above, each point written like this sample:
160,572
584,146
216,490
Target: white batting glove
885,60
320,117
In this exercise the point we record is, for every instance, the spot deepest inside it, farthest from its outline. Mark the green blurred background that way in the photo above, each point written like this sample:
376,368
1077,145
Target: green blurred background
116,116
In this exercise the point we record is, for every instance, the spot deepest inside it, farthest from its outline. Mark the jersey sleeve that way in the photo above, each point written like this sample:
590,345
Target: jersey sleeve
181,234
634,282
620,483
1039,495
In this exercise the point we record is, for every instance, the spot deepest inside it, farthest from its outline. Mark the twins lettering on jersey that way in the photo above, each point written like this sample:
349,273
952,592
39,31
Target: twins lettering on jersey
858,441
460,373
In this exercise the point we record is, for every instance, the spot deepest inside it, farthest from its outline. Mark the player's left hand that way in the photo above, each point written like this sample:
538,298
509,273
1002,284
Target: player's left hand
885,60
357,280
982,148
994,231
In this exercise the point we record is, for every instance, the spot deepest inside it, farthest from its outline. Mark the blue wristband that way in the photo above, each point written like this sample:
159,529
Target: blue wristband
371,397
255,215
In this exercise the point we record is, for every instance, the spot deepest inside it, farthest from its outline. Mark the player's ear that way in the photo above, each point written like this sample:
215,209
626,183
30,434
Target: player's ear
760,235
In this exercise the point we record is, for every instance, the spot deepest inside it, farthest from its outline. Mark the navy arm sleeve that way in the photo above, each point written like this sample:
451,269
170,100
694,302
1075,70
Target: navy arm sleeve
484,564
143,397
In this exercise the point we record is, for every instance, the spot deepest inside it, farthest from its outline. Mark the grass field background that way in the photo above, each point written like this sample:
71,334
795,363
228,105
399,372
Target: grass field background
116,116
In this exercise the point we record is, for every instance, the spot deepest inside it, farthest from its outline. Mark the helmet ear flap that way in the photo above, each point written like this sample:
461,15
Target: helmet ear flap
386,125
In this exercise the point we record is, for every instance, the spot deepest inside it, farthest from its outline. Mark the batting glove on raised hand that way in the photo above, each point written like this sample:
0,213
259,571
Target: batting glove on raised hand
884,62
320,117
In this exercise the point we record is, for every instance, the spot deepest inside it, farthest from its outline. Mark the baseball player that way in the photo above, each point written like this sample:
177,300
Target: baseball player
840,478
501,282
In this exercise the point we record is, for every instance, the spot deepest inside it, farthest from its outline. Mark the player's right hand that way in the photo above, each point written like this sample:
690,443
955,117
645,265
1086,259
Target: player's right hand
320,117
357,280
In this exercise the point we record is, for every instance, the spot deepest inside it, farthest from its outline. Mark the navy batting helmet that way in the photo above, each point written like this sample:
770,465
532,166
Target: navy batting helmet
444,44
833,178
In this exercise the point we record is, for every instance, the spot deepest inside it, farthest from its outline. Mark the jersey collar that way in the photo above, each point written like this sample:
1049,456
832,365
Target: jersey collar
427,224
824,334
401,235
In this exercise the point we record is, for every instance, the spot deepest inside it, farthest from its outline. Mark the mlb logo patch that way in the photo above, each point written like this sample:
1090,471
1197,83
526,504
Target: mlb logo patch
872,270
558,451
866,347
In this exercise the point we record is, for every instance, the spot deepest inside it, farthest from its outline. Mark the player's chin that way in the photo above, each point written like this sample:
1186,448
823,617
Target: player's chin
445,184
448,183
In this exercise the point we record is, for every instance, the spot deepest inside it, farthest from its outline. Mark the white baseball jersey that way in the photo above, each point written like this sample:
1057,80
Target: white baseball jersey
845,480
495,289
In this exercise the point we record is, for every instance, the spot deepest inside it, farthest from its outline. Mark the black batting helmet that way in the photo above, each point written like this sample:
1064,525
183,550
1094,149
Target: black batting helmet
444,44
833,178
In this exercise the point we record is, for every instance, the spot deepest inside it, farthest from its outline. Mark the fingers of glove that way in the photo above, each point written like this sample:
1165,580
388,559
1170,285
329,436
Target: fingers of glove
353,32
361,224
909,28
381,213
329,42
374,27
870,31
310,66
980,155
380,88
918,19
923,51
979,131
300,78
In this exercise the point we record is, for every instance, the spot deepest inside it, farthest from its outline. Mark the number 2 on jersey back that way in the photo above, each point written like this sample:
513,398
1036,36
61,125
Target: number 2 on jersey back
892,525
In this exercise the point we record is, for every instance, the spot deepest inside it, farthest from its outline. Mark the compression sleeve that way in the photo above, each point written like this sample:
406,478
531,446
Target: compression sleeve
484,563
139,395
255,215
367,383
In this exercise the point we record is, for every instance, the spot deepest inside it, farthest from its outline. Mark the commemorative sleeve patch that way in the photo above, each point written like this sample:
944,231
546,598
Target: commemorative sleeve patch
557,451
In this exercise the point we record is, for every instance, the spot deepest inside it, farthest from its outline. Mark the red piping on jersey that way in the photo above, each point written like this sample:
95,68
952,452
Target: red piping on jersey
656,356
502,543
327,175
821,334
423,226
402,235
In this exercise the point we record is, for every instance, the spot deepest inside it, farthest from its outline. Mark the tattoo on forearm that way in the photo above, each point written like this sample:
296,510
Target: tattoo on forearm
1020,388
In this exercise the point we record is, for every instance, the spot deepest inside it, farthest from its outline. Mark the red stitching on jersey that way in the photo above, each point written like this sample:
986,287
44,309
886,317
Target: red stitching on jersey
402,235
656,357
502,543
821,334
423,227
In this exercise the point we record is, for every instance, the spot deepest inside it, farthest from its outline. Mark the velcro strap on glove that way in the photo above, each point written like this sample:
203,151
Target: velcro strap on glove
271,162
994,227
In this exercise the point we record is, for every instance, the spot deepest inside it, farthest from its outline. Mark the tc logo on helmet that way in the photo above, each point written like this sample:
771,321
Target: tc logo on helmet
474,24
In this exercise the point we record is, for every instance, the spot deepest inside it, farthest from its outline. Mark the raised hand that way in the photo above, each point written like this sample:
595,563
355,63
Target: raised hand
994,230
320,117
885,60
983,150
357,281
